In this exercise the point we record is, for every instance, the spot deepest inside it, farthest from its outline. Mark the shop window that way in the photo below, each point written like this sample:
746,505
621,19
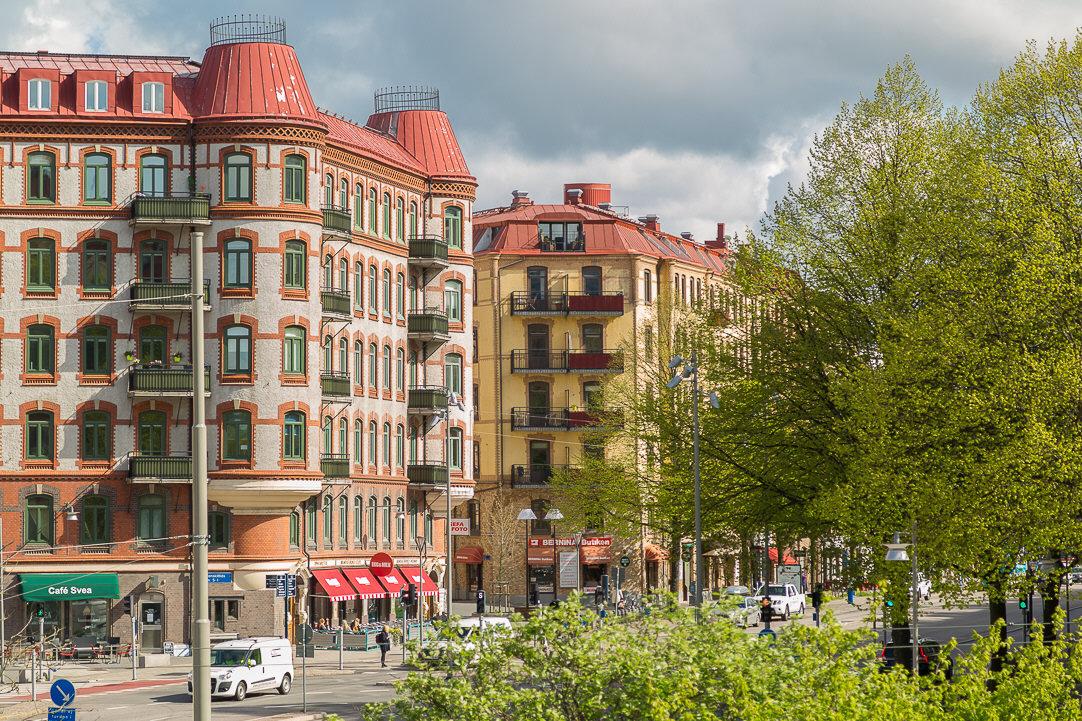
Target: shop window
38,526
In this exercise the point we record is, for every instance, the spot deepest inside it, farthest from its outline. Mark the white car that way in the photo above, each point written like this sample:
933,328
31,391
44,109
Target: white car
250,664
785,600
473,631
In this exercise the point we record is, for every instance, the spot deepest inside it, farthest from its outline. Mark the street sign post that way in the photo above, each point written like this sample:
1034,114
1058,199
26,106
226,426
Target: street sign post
62,692
61,714
768,634
625,561
380,564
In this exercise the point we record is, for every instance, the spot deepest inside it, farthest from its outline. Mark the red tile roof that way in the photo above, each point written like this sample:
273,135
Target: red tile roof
428,136
253,80
367,141
68,63
514,231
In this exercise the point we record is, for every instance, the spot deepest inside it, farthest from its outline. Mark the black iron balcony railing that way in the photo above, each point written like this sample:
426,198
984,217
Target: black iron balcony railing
428,473
334,301
174,294
567,361
159,379
159,468
335,383
427,250
534,474
429,323
170,208
561,245
560,419
427,399
336,219
524,303
334,465
538,361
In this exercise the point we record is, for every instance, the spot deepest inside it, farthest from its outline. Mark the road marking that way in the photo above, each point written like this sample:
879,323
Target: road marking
115,708
319,693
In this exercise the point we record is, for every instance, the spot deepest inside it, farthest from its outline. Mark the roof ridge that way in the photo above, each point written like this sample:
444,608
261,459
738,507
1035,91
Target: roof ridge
50,54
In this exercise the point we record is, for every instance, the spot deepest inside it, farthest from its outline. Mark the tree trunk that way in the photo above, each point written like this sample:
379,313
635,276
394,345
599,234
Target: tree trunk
997,611
1050,598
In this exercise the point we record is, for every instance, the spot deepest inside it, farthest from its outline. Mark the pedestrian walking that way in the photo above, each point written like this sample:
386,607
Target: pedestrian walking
383,640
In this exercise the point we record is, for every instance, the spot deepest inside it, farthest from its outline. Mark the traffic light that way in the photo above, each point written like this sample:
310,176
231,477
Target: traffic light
126,605
39,611
888,602
480,600
688,546
411,594
402,595
1023,603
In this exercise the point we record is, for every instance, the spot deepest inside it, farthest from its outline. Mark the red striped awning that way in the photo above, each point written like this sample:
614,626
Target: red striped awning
422,580
393,581
334,584
366,584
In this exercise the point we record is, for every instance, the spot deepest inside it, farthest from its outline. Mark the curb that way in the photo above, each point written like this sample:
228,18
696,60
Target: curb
26,709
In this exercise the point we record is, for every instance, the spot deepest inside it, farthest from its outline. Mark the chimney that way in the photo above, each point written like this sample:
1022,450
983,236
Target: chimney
686,235
719,243
520,198
592,193
605,206
652,222
573,196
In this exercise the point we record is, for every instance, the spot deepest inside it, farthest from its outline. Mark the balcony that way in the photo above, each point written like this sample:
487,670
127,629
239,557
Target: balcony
547,244
561,419
335,303
170,209
334,465
427,473
567,361
602,361
580,304
427,251
160,469
427,400
174,295
157,380
335,384
538,361
428,325
336,222
534,475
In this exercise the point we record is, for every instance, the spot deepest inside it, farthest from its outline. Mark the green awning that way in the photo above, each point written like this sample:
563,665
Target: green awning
69,586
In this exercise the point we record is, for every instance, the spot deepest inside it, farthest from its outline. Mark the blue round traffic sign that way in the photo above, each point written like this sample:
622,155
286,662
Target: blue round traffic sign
768,633
62,692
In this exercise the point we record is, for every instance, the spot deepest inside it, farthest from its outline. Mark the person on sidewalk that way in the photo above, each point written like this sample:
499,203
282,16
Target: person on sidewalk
383,640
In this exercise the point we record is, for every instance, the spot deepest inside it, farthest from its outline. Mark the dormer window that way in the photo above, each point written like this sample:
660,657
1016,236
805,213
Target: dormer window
153,97
561,237
41,95
97,96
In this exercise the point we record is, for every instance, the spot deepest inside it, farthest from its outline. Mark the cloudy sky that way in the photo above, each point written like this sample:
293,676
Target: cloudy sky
697,110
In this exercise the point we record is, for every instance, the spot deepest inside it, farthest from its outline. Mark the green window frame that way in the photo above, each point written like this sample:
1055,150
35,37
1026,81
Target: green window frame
237,357
454,449
386,520
343,194
40,435
238,263
94,519
373,443
372,210
452,373
452,300
41,265
413,520
97,178
296,265
358,286
238,177
400,296
387,367
218,526
153,262
152,434
97,441
373,366
372,511
358,518
358,206
358,442
293,356
97,265
38,525
400,369
358,362
400,520
296,174
150,520
310,520
343,520
41,180
294,529
400,446
328,519
386,292
152,175
413,218
152,344
97,358
452,226
293,436
386,444
386,215
373,289
428,528
237,436
40,349
400,220
328,435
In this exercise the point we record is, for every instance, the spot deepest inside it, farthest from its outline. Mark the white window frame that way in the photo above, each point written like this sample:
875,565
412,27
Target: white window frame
37,99
98,92
157,93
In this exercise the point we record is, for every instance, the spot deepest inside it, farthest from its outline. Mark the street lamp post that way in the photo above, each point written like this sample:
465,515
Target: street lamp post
896,551
527,514
553,515
690,369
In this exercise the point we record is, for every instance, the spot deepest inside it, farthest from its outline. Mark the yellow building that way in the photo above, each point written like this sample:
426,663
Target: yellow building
559,290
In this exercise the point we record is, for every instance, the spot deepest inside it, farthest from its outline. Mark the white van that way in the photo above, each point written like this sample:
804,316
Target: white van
240,667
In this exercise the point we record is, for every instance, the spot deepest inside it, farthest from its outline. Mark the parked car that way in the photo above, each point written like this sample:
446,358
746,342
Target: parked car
250,664
1076,575
785,599
930,657
736,591
473,631
747,613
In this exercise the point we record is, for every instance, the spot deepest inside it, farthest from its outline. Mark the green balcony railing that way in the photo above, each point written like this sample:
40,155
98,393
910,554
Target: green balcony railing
427,249
170,207
427,399
175,380
336,219
174,293
334,465
427,473
334,383
428,322
165,468
335,302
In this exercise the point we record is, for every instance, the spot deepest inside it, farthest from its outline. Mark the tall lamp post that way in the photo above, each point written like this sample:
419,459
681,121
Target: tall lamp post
448,574
685,369
897,551
553,515
527,514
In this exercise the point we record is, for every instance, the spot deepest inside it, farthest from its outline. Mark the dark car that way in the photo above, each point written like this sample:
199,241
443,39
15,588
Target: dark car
931,658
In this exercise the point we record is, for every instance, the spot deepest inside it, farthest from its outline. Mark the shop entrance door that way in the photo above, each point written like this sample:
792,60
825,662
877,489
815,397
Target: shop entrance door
150,620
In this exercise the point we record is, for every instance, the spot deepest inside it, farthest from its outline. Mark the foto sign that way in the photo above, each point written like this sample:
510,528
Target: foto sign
381,564
460,526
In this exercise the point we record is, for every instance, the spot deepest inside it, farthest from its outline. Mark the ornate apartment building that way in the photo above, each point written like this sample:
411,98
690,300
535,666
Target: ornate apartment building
338,310
562,289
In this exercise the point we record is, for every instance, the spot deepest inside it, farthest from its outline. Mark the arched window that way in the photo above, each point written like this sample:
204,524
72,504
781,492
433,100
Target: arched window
343,194
343,275
413,369
328,354
97,351
358,362
400,520
386,292
400,446
294,529
153,264
38,526
358,208
237,359
386,215
238,177
237,436
343,355
152,344
358,519
238,263
153,178
296,179
387,444
343,437
372,211
150,524
41,180
413,218
40,436
452,226
151,438
373,367
328,519
97,265
41,265
94,519
293,350
452,373
358,286
328,189
428,528
97,178
343,519
413,444
400,369
413,520
328,435
311,510
386,520
293,436
400,296
373,288
358,442
386,367
373,444
296,265
400,220
372,511
97,437
454,449
452,301
328,273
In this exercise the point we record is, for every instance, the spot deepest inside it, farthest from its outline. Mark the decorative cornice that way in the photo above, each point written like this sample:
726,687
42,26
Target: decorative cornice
25,131
373,168
455,189
260,132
